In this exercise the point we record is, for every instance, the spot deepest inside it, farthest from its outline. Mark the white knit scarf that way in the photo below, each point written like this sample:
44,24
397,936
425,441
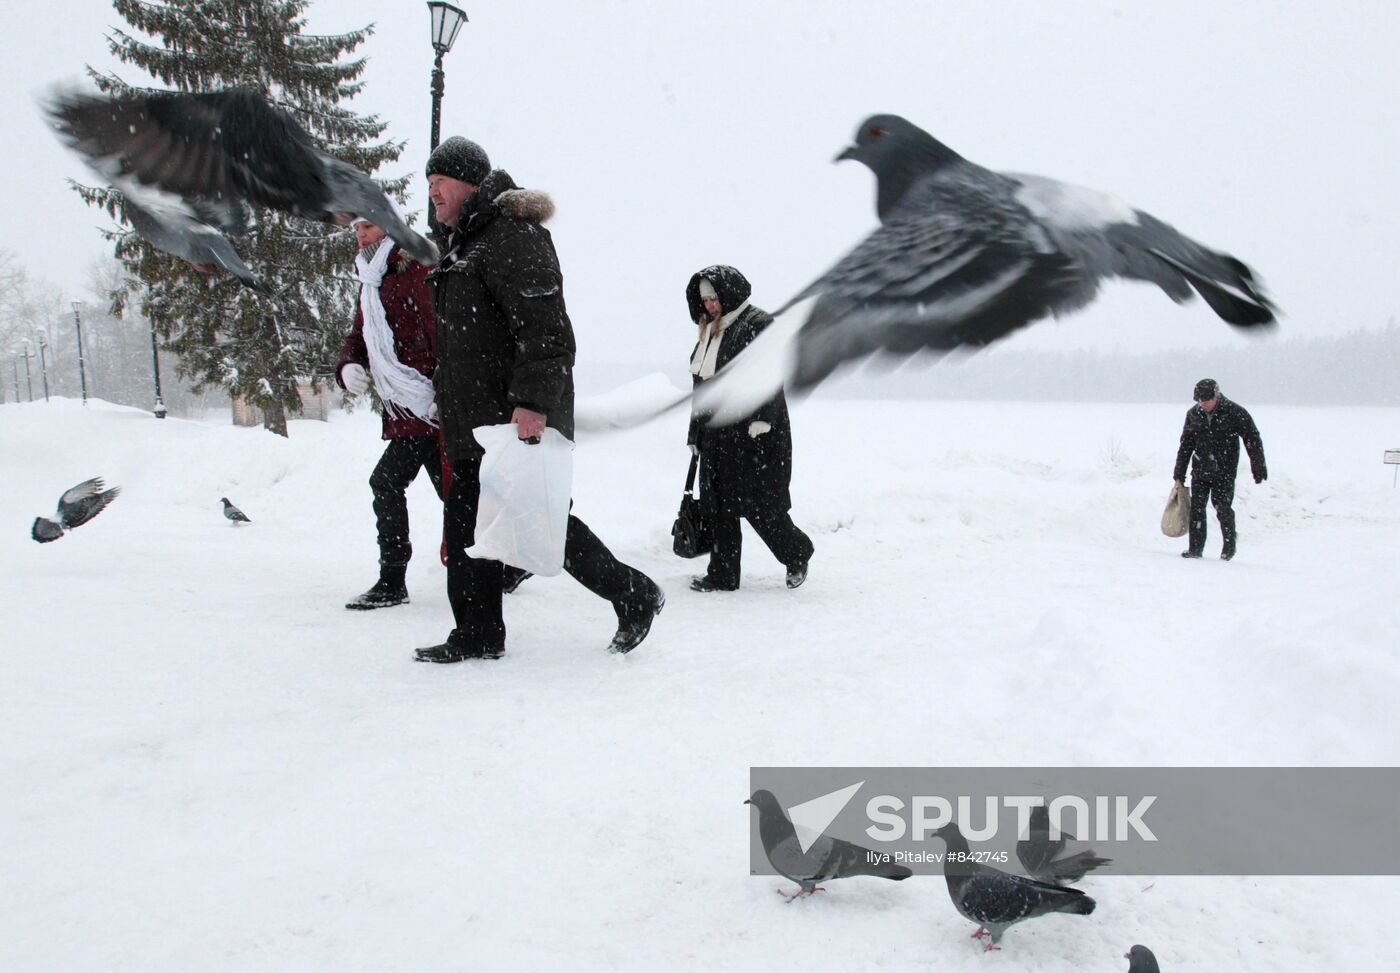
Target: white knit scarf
405,392
706,357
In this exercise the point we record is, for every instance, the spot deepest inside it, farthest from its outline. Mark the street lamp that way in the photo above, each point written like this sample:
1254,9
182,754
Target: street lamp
155,367
82,370
43,361
447,20
28,380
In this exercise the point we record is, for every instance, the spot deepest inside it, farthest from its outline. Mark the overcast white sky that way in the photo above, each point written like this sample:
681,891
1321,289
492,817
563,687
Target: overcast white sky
673,135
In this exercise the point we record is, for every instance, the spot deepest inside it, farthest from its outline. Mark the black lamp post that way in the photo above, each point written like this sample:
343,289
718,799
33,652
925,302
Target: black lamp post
14,362
82,368
28,379
447,20
43,361
155,367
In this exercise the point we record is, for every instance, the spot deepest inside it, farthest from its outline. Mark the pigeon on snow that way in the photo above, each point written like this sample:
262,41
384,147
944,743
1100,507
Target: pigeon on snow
1039,854
75,508
965,256
996,900
233,513
187,163
1141,960
826,859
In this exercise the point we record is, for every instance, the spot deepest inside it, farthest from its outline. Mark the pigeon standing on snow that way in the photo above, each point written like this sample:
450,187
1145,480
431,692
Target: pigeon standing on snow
1141,960
234,514
996,900
825,859
75,508
186,164
965,256
1039,853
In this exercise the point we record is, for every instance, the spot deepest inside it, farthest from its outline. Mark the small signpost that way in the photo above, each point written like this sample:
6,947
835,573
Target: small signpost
1392,457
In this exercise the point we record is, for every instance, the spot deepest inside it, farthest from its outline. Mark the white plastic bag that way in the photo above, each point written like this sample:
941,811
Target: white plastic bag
1177,516
524,509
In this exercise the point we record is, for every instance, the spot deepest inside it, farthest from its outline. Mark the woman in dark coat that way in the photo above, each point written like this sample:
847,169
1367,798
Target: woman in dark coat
745,467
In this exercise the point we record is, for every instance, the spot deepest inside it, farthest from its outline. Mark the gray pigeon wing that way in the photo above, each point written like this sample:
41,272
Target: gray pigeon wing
1112,239
80,509
993,897
849,859
955,264
163,139
174,226
789,860
353,192
1037,852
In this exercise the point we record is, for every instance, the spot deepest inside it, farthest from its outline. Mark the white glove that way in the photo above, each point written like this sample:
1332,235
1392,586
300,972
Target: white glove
356,379
433,412
694,450
757,429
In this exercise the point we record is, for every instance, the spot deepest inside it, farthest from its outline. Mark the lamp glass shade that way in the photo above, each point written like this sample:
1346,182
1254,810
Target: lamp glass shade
447,20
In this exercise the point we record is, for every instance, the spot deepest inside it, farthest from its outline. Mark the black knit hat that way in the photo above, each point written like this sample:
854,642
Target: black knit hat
1206,389
459,158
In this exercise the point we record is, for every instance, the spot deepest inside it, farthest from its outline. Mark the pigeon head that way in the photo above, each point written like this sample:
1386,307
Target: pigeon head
899,153
765,802
1141,960
224,501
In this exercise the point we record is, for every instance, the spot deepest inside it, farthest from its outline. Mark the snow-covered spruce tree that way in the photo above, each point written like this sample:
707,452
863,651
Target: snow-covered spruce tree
223,333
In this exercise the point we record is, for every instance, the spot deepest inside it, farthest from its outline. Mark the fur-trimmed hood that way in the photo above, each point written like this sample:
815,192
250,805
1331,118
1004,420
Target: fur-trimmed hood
498,193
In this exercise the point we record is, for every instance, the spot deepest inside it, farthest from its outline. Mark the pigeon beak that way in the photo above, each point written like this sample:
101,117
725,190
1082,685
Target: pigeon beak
849,152
748,802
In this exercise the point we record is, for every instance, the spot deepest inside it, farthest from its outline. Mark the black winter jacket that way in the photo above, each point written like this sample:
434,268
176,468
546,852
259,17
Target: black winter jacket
1210,442
740,474
503,334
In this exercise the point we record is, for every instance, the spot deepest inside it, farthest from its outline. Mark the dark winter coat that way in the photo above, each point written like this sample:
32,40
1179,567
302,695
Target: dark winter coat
503,336
1210,442
740,475
409,308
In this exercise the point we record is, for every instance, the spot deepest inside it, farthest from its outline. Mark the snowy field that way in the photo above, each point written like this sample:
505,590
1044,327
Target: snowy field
209,764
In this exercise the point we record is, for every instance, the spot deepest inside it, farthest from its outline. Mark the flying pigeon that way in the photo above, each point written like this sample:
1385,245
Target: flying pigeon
75,508
233,513
963,257
1141,960
187,163
996,900
825,860
1039,853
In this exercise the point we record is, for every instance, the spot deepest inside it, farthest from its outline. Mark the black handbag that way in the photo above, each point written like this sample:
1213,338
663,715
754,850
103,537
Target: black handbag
690,537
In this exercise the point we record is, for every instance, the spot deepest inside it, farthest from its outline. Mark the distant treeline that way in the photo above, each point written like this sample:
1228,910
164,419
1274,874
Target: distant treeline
1361,368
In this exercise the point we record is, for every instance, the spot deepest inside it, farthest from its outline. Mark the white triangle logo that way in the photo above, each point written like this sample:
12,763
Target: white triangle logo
810,819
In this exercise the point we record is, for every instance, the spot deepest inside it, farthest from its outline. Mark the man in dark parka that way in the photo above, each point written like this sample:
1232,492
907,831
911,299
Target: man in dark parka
746,466
1210,442
505,354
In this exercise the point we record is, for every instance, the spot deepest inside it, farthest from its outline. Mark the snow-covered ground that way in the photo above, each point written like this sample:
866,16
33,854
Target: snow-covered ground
208,763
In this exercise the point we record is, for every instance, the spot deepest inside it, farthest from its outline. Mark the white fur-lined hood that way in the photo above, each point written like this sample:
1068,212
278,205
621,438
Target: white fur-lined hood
526,204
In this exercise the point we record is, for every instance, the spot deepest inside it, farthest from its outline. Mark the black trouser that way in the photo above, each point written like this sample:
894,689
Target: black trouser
1221,492
397,468
474,586
775,527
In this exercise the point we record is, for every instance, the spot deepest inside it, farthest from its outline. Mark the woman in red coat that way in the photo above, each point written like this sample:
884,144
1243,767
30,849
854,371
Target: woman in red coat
392,346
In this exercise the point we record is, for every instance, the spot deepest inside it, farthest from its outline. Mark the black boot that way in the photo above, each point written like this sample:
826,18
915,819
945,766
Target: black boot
1227,550
704,583
388,591
634,620
796,574
512,578
447,652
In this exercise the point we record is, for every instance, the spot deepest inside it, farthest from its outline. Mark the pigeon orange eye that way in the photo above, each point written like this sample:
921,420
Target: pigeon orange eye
876,131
